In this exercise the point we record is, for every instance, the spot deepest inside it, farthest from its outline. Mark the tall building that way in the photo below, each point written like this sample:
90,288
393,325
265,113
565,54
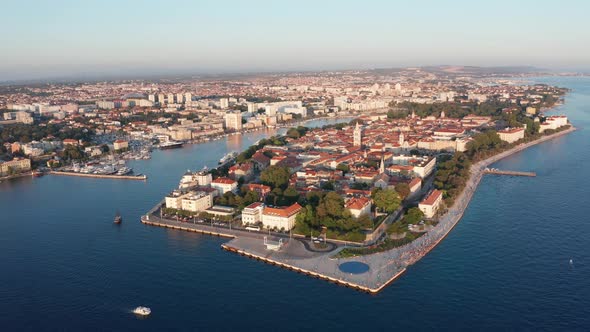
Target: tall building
179,98
252,107
170,99
188,97
224,103
358,135
161,98
233,120
152,98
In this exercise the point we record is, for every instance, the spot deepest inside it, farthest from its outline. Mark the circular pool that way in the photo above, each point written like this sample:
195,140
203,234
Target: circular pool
354,267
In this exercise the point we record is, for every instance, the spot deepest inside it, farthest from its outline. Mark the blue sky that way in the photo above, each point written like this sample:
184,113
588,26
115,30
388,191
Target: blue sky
67,38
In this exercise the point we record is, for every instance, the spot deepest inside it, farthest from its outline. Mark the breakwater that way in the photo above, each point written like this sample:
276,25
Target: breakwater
101,176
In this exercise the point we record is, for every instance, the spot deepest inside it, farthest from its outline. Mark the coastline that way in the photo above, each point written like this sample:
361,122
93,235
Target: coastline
387,266
455,212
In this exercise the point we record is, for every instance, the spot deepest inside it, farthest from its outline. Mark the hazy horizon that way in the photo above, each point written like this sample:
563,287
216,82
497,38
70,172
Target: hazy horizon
70,39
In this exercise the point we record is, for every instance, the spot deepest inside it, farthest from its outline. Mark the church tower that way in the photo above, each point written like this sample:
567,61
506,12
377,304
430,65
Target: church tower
357,135
442,114
401,138
382,166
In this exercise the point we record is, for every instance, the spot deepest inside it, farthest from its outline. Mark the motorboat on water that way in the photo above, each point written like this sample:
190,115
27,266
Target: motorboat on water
170,145
118,218
142,311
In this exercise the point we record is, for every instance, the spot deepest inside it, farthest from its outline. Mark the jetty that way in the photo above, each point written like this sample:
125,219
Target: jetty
513,173
101,176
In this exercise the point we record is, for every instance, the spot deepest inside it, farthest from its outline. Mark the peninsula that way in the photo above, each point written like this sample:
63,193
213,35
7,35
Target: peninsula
357,203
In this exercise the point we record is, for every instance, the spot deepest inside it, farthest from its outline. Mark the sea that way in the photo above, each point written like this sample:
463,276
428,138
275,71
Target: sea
518,260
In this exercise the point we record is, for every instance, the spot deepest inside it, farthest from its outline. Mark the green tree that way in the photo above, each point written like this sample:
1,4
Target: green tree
403,189
343,167
387,200
290,196
276,176
413,216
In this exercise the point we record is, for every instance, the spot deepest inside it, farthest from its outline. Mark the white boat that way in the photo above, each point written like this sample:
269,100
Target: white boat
228,157
143,311
124,170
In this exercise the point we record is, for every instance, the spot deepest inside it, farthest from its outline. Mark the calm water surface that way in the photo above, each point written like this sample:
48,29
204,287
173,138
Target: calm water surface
65,266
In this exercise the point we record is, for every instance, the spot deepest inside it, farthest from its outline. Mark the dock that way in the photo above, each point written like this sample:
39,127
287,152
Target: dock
101,176
513,173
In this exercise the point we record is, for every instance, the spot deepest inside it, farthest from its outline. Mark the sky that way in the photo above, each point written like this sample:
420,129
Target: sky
68,38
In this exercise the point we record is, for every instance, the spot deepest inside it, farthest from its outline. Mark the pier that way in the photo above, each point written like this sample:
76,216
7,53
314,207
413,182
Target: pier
513,173
101,176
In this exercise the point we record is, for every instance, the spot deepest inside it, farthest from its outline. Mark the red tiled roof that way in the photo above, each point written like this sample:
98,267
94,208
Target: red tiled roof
223,181
434,195
357,203
284,212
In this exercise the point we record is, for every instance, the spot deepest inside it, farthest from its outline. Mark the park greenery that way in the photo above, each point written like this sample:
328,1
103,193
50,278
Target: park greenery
250,151
25,133
386,200
413,216
297,132
451,175
326,210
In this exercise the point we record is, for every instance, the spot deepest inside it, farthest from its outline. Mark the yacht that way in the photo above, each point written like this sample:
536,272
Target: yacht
142,311
170,145
124,170
228,157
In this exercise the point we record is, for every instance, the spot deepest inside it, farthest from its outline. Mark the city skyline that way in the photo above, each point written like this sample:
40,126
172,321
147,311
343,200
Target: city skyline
67,39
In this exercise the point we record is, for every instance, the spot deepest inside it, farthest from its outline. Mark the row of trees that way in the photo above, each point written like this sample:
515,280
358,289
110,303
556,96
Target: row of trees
451,175
243,199
250,151
451,109
484,144
26,133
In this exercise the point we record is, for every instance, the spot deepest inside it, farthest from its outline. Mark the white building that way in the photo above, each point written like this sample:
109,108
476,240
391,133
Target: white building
431,204
358,206
197,201
233,121
553,122
511,135
280,218
224,185
252,214
223,103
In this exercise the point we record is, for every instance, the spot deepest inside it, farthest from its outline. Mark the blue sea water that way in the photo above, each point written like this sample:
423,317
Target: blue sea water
506,266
